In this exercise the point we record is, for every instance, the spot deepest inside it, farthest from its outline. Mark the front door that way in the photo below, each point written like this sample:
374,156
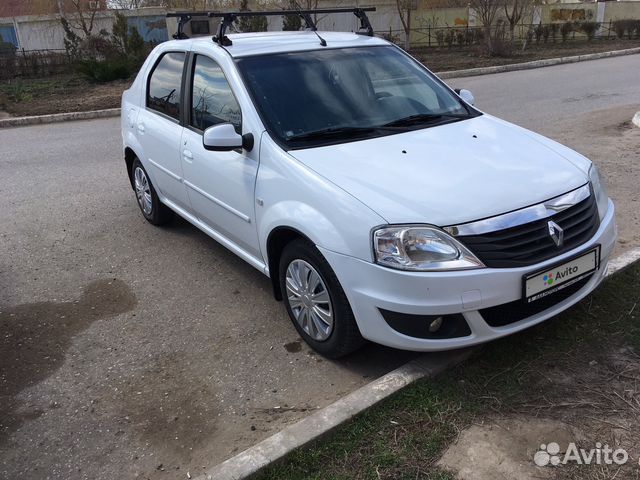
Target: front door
221,185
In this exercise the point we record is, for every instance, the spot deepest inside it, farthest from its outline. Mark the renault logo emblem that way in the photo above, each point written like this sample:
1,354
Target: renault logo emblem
556,233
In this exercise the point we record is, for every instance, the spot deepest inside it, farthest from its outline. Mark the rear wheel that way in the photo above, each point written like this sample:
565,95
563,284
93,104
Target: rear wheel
150,205
316,302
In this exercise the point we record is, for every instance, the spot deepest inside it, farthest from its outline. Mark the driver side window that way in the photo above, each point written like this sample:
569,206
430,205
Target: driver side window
212,101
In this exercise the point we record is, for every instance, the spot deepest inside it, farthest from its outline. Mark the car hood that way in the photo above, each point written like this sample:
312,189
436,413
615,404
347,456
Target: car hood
449,174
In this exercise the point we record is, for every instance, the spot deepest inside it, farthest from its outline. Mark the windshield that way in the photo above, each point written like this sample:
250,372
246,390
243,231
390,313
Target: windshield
336,95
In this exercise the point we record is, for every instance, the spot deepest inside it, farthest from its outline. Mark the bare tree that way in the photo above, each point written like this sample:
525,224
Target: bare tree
515,11
82,16
404,12
487,12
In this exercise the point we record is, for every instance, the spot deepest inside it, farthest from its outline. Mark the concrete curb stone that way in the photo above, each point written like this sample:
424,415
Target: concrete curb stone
57,117
253,460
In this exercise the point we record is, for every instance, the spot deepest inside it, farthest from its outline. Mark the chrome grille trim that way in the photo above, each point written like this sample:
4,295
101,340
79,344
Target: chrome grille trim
523,216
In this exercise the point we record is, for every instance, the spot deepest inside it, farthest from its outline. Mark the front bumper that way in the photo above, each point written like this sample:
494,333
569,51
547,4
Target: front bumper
371,287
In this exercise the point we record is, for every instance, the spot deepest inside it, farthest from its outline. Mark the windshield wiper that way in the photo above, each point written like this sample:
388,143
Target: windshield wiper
424,118
339,132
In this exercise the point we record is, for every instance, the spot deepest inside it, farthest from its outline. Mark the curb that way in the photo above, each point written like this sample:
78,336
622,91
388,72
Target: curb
251,461
58,117
254,459
470,72
623,261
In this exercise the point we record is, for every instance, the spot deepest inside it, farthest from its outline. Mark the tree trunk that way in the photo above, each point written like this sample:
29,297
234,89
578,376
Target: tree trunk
407,36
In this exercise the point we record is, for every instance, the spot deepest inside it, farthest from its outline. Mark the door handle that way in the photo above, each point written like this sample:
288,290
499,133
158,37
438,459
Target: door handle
141,127
187,155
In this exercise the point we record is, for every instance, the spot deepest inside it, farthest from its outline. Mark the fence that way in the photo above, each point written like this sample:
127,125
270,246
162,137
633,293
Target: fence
33,63
450,36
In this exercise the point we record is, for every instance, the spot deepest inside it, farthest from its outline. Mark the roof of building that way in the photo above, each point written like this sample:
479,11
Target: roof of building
260,43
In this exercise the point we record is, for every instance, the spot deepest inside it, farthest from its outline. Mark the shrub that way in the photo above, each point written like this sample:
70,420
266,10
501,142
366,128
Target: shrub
553,29
460,37
565,30
292,23
469,36
250,24
627,26
590,29
105,70
501,47
449,37
529,36
538,31
104,57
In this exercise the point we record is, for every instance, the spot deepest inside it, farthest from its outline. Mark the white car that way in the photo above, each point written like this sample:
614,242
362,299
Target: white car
380,202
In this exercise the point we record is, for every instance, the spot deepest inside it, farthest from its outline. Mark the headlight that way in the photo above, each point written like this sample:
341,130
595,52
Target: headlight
602,199
416,247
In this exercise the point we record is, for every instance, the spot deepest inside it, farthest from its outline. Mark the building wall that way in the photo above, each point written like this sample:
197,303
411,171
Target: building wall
44,32
621,10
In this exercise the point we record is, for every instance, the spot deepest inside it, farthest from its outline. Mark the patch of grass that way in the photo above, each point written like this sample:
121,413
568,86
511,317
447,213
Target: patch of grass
405,435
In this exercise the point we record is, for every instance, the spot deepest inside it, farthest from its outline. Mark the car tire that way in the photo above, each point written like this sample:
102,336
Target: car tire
316,302
150,205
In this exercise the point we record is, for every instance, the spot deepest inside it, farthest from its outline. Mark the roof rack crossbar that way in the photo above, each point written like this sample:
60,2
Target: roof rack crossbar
229,17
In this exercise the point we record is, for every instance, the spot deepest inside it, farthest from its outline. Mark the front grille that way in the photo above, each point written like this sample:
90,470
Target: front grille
512,312
530,243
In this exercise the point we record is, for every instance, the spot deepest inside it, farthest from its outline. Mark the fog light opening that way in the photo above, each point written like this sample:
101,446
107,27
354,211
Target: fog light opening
435,325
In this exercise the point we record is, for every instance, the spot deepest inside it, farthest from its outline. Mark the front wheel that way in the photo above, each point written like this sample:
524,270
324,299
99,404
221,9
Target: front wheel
316,302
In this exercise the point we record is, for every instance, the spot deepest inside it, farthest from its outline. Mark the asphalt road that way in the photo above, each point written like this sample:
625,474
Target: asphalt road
134,351
546,99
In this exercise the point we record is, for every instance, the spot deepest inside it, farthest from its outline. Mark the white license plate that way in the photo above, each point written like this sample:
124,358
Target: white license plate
545,282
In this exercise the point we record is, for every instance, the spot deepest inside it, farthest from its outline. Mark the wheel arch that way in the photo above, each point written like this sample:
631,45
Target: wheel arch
277,240
129,158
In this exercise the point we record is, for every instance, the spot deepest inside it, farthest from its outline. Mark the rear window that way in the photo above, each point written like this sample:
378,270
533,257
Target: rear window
163,94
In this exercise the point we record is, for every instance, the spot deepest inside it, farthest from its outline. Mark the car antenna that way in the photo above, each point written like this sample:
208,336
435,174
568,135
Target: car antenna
311,25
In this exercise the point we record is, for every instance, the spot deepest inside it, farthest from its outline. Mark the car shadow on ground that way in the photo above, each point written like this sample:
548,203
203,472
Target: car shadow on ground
371,361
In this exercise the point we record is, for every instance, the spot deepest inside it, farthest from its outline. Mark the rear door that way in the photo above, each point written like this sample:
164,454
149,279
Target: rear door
159,130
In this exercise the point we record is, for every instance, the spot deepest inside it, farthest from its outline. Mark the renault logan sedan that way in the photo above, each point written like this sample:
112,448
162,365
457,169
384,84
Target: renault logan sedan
380,202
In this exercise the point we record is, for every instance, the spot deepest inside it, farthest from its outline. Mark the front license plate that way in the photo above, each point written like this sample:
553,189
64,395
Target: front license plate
550,280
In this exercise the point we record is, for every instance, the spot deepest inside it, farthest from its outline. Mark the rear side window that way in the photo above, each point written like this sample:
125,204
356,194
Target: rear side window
212,100
165,83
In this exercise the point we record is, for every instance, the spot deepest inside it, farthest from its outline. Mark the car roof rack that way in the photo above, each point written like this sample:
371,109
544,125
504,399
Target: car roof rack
229,17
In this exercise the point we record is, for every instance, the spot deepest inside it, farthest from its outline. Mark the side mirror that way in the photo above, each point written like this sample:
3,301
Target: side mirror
224,138
465,95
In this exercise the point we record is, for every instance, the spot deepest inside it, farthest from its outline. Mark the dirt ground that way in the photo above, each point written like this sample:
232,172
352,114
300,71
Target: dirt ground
59,94
585,401
610,139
